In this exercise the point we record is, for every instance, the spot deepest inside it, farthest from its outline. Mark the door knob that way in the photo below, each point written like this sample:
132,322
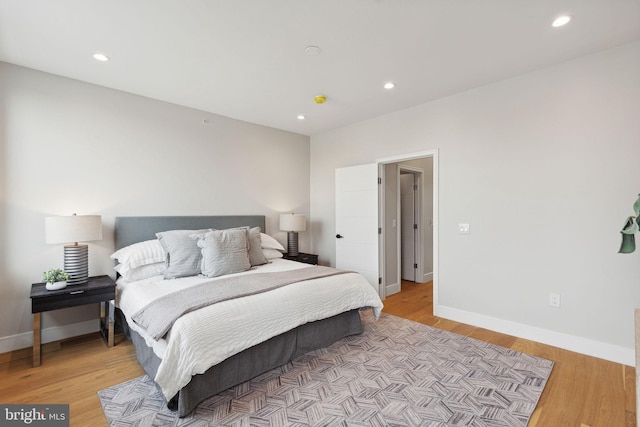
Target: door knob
338,236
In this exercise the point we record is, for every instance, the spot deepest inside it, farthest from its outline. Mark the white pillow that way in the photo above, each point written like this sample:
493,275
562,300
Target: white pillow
141,272
271,253
269,242
142,253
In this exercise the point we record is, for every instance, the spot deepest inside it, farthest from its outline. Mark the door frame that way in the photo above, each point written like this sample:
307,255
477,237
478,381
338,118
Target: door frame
433,153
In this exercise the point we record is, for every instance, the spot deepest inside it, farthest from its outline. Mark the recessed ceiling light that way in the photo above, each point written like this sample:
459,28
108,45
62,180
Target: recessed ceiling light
100,57
389,85
301,117
561,20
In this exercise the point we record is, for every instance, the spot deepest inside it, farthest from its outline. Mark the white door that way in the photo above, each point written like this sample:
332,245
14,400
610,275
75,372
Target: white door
357,221
408,230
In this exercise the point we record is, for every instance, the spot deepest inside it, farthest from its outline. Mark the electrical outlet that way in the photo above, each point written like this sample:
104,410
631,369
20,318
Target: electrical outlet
463,228
554,300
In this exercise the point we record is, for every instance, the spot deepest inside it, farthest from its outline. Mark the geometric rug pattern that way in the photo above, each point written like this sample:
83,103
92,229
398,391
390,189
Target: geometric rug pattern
396,373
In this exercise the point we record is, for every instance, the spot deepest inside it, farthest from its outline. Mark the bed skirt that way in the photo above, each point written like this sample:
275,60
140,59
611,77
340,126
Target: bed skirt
252,362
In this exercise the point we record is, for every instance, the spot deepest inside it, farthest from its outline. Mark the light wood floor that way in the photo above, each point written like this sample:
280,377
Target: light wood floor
582,391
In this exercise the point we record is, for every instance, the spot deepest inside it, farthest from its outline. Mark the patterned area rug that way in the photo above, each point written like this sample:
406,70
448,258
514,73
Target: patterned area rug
397,373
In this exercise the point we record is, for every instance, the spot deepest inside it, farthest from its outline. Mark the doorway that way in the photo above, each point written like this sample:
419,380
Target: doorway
410,223
368,219
408,247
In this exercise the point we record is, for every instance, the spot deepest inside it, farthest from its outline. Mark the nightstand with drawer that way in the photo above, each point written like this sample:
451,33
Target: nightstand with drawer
302,257
98,289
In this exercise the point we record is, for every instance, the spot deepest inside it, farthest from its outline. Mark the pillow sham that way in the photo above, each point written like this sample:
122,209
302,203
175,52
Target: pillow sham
224,252
271,253
182,255
141,272
256,257
141,253
268,242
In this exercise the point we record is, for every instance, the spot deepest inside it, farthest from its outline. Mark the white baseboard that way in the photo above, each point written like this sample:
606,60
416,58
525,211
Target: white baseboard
611,352
391,289
427,277
54,333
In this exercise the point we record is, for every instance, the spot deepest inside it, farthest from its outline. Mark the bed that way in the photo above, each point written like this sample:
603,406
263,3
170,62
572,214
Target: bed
211,348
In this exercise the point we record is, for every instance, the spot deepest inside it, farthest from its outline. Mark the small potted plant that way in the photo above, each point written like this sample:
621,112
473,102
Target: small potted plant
631,227
55,279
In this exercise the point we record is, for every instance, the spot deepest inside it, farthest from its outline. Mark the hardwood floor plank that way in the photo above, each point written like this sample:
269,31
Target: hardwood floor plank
72,373
581,391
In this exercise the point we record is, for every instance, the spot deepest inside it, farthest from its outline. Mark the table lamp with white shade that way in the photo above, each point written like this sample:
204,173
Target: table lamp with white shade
292,223
72,230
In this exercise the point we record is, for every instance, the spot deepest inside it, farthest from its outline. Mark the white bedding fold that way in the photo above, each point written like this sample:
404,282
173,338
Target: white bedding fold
158,316
205,337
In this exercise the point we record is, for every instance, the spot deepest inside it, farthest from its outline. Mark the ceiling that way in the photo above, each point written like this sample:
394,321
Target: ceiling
246,59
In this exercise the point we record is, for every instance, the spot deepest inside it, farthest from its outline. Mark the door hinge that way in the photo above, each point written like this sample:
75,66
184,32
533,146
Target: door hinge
379,230
415,226
379,280
415,187
379,181
415,265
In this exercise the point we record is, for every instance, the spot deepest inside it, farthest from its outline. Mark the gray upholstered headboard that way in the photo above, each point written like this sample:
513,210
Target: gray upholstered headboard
134,229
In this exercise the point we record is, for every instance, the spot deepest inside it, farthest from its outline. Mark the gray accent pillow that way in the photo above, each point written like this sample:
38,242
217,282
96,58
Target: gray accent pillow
224,252
256,256
182,254
254,240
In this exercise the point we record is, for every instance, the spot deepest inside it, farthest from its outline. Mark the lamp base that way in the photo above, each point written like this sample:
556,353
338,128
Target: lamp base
76,264
292,243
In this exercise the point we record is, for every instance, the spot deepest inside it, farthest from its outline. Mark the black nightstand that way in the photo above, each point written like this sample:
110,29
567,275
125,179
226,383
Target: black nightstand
306,258
99,289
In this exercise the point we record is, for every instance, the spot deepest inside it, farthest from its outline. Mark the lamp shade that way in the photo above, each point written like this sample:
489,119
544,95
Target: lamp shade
75,228
293,222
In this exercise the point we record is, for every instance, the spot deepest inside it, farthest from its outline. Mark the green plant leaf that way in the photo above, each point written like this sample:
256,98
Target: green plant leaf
631,226
636,206
54,275
628,244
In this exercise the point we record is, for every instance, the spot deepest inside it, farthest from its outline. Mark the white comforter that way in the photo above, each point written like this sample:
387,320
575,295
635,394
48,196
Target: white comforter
203,338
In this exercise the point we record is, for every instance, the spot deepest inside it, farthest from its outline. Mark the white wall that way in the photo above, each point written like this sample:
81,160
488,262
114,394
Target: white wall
67,146
545,168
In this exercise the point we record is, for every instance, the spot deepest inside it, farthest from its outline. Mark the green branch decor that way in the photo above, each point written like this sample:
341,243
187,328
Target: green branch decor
631,227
